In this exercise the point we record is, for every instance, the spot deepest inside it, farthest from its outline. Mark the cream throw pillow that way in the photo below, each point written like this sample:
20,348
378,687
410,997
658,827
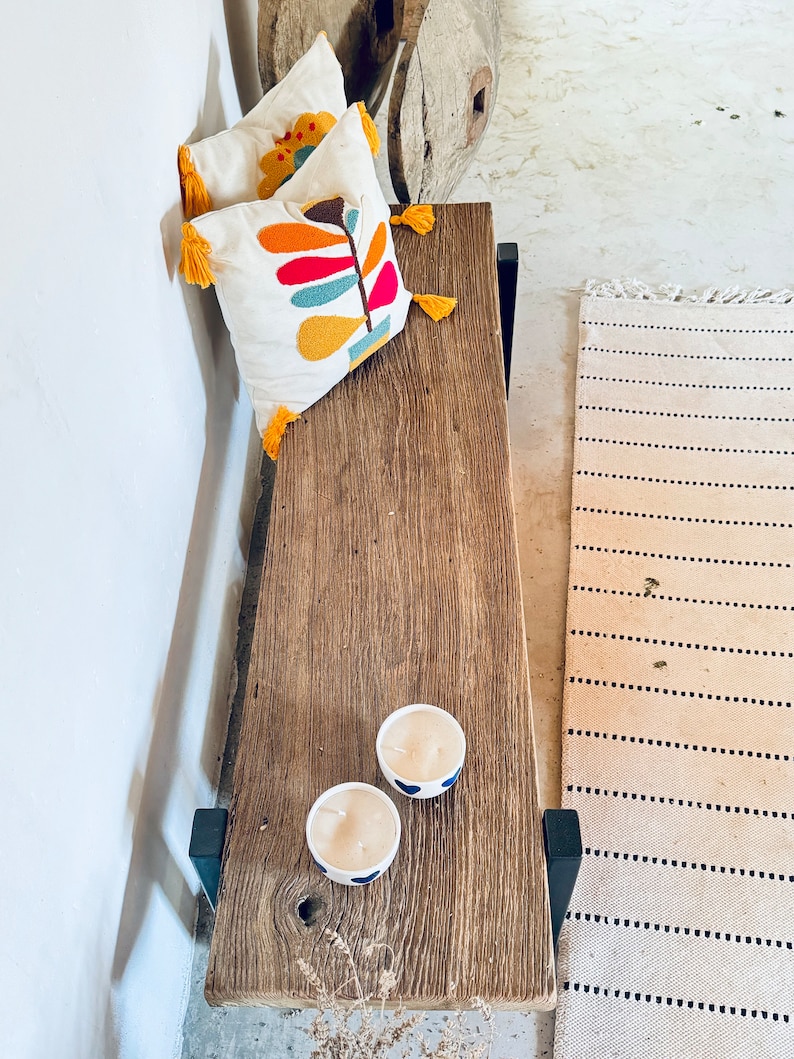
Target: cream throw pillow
265,148
307,280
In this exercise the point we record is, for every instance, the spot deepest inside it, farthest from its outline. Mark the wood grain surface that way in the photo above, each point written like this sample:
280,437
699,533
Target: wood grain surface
410,10
443,95
364,34
391,576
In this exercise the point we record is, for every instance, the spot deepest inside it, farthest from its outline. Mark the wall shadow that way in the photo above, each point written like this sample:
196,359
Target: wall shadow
151,861
245,631
152,864
242,30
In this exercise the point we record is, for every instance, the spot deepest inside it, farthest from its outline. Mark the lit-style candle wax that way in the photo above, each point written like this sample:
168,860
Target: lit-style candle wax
421,750
422,746
353,830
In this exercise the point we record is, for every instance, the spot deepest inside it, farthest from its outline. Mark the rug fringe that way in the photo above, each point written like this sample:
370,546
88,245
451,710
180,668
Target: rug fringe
635,290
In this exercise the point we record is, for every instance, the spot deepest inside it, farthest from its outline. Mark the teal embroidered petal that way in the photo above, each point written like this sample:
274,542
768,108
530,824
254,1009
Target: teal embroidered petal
301,155
358,349
323,293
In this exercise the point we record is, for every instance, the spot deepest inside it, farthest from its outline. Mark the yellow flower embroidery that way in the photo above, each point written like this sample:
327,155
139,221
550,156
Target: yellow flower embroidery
292,150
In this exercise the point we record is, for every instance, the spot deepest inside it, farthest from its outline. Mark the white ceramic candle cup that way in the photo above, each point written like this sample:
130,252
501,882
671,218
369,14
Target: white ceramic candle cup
353,832
432,761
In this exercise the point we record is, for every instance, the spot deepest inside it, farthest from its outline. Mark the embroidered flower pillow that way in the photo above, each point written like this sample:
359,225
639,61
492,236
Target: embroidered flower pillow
307,280
265,148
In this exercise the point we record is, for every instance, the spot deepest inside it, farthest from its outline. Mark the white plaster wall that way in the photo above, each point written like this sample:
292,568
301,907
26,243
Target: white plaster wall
127,469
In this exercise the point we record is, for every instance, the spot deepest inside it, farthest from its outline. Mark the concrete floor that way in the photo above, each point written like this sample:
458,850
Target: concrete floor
641,139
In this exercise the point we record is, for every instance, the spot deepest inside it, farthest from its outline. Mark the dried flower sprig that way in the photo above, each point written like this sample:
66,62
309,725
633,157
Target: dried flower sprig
353,1030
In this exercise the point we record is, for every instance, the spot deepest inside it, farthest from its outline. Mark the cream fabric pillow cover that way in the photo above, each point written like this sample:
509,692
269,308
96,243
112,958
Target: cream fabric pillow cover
307,280
265,148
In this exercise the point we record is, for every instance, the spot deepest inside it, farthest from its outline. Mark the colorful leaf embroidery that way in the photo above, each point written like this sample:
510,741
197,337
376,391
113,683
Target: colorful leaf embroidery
311,297
376,248
321,336
291,151
328,211
306,269
384,290
284,238
367,345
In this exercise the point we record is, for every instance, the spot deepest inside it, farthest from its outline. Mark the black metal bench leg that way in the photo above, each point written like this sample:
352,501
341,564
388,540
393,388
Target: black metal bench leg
562,840
206,847
507,275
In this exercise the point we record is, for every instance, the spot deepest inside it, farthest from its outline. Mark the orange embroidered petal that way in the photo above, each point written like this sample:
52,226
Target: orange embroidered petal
310,128
320,336
277,166
291,151
289,237
376,248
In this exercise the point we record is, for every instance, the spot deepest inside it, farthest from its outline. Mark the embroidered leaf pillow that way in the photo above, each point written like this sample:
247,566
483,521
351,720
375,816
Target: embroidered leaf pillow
265,148
307,280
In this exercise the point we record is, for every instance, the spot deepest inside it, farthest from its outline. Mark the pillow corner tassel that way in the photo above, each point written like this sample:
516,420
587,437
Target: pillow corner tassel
418,217
195,197
373,138
274,431
193,264
435,305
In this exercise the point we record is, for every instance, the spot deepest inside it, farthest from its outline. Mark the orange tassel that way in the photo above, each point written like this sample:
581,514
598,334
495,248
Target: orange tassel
193,264
274,432
195,197
435,305
420,218
373,139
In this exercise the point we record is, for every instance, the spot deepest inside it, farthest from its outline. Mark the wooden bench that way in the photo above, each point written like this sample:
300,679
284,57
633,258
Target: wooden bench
391,576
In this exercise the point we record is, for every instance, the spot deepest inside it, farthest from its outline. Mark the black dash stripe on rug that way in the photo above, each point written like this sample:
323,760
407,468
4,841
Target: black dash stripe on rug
679,671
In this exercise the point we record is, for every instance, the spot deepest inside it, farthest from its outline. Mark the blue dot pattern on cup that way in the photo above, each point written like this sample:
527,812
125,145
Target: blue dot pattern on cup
408,788
322,869
451,780
366,878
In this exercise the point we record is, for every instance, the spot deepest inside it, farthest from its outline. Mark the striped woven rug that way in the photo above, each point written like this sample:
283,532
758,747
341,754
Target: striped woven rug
678,728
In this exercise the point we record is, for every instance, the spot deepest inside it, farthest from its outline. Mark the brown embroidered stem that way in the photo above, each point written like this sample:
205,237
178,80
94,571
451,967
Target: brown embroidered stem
361,289
332,211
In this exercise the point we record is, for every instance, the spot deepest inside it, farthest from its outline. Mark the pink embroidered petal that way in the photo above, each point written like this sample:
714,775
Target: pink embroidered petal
307,269
385,289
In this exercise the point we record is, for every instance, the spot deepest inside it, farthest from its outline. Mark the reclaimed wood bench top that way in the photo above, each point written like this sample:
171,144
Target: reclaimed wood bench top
391,576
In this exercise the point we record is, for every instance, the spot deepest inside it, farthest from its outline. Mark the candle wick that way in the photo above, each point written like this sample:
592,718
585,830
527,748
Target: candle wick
329,809
399,749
